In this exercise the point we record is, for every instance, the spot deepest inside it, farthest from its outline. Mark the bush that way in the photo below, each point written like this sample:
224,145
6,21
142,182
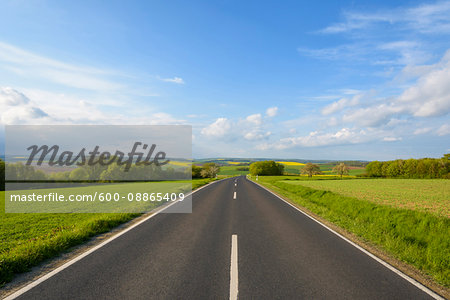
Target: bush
267,167
243,168
2,175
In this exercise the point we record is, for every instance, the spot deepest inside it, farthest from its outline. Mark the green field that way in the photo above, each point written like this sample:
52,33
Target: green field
231,170
124,191
428,195
403,228
27,239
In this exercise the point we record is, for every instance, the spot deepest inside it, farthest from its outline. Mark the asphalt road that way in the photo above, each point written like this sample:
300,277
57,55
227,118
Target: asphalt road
279,254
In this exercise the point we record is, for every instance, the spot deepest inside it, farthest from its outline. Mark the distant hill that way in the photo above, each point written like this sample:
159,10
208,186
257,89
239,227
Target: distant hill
227,160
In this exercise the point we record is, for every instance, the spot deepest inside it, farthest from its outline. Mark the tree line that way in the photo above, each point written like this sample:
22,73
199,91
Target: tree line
411,168
112,173
2,175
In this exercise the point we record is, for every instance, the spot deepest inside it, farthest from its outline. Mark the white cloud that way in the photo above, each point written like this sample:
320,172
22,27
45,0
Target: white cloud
396,122
392,139
372,52
43,107
28,64
16,108
219,128
427,18
11,97
430,18
256,135
331,122
177,80
350,91
340,104
409,52
255,119
161,118
251,128
315,138
371,45
24,115
272,111
375,115
422,130
443,130
342,52
430,96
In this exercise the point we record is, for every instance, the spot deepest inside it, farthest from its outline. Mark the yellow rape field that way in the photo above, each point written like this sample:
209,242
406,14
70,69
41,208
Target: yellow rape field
290,163
180,163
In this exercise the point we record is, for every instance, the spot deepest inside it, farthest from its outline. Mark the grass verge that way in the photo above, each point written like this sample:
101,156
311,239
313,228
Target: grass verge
28,239
418,238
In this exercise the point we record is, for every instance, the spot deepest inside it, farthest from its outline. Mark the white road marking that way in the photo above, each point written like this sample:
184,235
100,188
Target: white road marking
235,184
234,195
83,255
234,282
396,271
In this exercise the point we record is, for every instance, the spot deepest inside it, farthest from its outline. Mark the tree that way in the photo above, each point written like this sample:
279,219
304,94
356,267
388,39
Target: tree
445,166
79,174
209,170
2,175
196,171
266,167
411,168
374,169
393,169
311,169
341,169
60,176
421,168
21,172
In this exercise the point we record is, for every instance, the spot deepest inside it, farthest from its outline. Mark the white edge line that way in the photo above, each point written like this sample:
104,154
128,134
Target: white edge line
234,279
83,255
390,267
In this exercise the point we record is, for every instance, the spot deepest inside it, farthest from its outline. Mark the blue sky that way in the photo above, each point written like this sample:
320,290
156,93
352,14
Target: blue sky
281,79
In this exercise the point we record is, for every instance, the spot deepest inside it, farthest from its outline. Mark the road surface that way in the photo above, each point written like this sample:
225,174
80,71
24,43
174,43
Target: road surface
240,241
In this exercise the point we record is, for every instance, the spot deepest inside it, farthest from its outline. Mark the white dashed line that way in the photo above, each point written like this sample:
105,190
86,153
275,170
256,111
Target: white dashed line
234,283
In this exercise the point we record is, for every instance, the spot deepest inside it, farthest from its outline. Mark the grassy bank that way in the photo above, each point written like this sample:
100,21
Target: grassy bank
28,239
418,238
427,195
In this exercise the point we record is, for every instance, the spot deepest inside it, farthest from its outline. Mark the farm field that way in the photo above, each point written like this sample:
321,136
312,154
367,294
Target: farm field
428,195
27,239
229,167
296,167
291,167
404,229
231,170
